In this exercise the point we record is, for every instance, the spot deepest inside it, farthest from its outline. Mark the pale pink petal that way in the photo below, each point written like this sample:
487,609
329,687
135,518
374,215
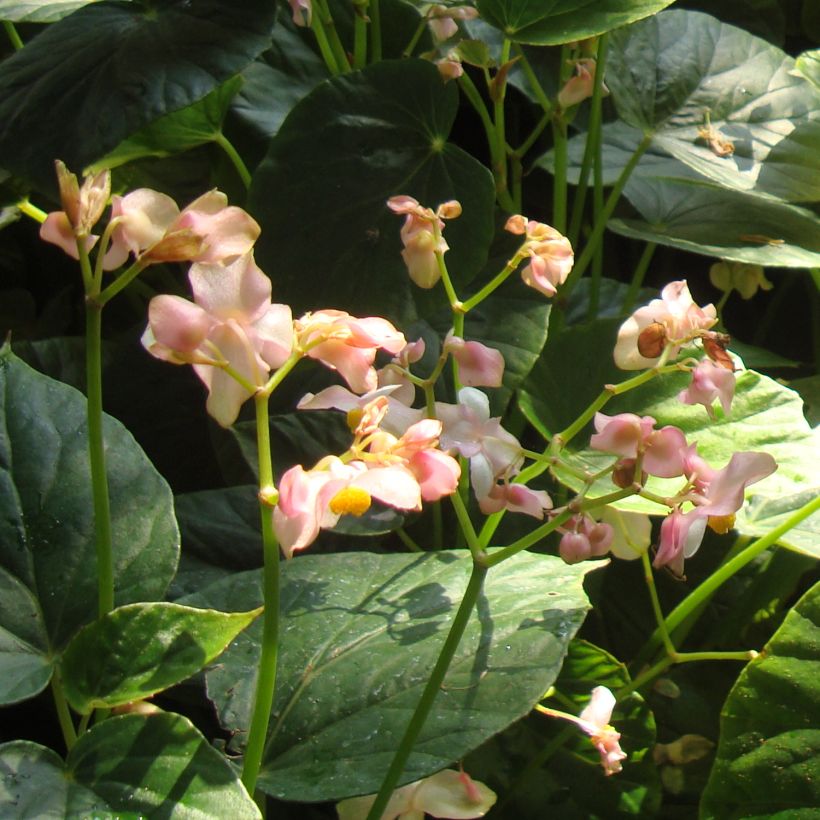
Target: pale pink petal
574,547
57,230
274,333
436,472
663,452
178,324
236,291
454,795
403,204
227,233
710,382
396,486
145,217
354,364
727,487
516,498
680,537
478,365
598,711
295,519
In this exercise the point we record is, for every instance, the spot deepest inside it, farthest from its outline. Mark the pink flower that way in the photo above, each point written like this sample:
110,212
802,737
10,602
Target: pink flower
709,382
493,452
671,321
347,344
580,85
680,538
478,365
585,538
396,373
594,720
57,230
550,254
447,793
151,226
302,11
421,235
627,435
232,323
310,500
515,498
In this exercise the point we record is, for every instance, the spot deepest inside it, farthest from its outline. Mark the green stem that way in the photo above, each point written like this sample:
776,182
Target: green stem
96,453
597,209
467,528
500,133
592,144
408,541
559,190
12,34
638,276
408,51
266,675
492,285
233,155
322,11
535,85
598,231
452,298
375,32
121,282
25,207
743,655
538,534
725,572
359,35
63,712
656,604
431,690
324,46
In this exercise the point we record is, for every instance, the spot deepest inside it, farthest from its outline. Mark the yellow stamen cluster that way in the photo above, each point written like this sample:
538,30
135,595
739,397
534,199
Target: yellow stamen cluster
350,501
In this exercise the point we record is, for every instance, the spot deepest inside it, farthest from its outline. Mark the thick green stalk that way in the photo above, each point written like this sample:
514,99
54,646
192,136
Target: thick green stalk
559,190
266,675
11,33
236,160
63,712
431,690
96,453
725,572
595,237
322,11
375,32
324,46
638,276
359,35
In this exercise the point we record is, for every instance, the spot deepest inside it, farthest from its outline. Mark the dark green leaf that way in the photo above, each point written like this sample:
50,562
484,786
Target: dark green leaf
563,21
769,751
94,78
360,633
139,650
323,213
47,554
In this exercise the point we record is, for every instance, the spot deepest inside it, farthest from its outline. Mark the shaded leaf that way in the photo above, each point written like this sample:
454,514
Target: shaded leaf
563,21
39,11
769,749
47,553
360,633
324,214
92,79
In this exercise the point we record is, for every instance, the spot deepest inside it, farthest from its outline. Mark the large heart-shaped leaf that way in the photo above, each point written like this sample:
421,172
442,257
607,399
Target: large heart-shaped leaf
141,649
360,633
328,238
553,22
136,765
89,81
769,751
750,89
39,11
47,554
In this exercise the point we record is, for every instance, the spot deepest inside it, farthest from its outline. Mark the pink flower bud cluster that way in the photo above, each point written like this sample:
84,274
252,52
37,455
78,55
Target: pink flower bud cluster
713,495
584,538
442,20
580,85
550,254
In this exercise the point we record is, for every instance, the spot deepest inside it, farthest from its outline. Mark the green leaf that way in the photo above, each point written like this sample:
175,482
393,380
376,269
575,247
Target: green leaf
39,11
750,89
388,126
156,765
360,633
563,21
110,69
571,781
808,64
704,218
177,132
47,554
139,650
769,751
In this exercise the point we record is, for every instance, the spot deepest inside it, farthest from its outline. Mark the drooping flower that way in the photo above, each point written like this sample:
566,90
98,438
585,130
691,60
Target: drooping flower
550,254
516,498
442,20
493,452
478,365
447,793
594,720
628,435
580,85
709,382
347,344
230,324
584,538
152,228
422,237
671,321
632,533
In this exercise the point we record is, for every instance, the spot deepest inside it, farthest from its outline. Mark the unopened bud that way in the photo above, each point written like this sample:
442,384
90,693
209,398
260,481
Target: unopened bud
574,547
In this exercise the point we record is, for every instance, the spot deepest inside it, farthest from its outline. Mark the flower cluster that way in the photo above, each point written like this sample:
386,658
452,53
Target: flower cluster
550,254
713,495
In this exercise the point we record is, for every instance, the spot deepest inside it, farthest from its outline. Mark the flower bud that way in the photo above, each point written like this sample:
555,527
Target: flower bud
574,547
